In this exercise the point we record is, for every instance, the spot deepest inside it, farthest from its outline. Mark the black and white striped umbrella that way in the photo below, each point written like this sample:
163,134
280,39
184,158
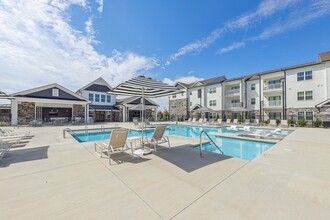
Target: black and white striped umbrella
144,86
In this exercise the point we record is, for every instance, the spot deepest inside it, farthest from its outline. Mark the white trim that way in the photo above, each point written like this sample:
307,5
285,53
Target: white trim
95,82
48,87
61,101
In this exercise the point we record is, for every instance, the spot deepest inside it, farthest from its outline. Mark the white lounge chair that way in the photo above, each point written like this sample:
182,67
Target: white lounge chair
159,138
4,148
256,122
205,120
272,123
116,144
235,122
228,121
200,121
189,120
219,121
194,120
233,128
245,128
284,123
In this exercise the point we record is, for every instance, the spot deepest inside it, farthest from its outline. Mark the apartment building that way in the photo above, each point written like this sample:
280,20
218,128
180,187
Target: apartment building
201,93
301,91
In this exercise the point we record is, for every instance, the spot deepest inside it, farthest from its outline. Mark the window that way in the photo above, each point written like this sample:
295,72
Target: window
235,101
97,97
274,115
234,87
173,106
199,93
253,101
301,115
213,103
253,86
173,96
91,97
190,104
108,98
309,116
300,96
213,90
190,93
309,95
308,75
300,76
102,98
55,92
253,115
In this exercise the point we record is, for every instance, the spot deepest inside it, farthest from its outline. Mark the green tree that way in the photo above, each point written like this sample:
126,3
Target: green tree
232,118
160,115
166,115
248,117
239,118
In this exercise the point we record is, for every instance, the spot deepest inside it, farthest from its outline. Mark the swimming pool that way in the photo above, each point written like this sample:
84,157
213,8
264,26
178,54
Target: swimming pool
239,148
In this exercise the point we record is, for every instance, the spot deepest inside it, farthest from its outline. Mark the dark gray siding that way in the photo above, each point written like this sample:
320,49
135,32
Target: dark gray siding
98,88
48,94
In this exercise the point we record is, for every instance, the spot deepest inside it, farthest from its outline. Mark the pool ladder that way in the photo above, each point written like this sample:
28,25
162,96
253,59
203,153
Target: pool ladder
201,143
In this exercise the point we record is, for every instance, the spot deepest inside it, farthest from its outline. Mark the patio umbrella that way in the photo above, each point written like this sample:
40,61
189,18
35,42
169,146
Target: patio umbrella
144,87
204,110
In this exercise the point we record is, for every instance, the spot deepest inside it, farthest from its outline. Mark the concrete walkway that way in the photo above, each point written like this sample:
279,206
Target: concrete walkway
56,178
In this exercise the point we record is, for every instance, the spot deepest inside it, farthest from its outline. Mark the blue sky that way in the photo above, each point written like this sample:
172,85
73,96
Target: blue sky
73,42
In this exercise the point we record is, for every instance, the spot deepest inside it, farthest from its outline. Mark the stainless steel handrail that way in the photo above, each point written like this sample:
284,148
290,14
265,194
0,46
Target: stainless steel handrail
66,130
201,143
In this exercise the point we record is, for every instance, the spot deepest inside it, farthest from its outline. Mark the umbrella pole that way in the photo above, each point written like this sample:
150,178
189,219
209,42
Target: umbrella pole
142,118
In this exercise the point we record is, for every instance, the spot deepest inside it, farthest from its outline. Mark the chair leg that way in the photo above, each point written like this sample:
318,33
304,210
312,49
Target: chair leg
155,146
169,145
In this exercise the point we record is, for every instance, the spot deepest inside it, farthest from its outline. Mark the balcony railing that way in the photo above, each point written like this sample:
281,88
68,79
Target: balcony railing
275,103
273,86
232,92
233,105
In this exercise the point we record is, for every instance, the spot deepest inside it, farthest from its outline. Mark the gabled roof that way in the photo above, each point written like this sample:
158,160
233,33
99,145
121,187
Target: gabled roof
206,82
324,103
98,85
129,100
35,93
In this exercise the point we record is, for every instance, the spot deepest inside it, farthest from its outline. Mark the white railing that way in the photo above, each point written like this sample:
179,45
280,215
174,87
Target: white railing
232,105
232,92
273,86
275,103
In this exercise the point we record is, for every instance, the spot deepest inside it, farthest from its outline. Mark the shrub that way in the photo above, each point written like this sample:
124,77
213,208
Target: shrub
317,122
216,116
231,118
291,121
239,118
248,117
224,117
278,121
302,122
266,122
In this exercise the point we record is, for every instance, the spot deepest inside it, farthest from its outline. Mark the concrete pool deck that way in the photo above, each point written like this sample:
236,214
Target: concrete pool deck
56,178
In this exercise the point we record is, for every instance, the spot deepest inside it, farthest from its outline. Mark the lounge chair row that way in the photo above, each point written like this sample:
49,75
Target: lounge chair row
284,123
8,138
118,142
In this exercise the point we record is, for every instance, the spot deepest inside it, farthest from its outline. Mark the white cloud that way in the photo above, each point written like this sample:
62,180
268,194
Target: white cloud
89,27
38,46
294,19
100,8
231,47
184,79
265,9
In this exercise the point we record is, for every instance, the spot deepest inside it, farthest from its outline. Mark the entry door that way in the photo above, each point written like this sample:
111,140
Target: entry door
99,116
38,113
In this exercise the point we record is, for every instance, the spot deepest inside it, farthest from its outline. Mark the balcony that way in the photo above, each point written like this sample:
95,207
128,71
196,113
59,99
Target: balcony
232,92
273,87
273,104
233,105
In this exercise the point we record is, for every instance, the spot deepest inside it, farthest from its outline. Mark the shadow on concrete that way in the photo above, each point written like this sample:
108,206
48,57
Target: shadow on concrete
187,158
24,155
124,157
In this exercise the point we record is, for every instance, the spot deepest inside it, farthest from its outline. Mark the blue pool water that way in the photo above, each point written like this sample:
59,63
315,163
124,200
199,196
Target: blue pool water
244,149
